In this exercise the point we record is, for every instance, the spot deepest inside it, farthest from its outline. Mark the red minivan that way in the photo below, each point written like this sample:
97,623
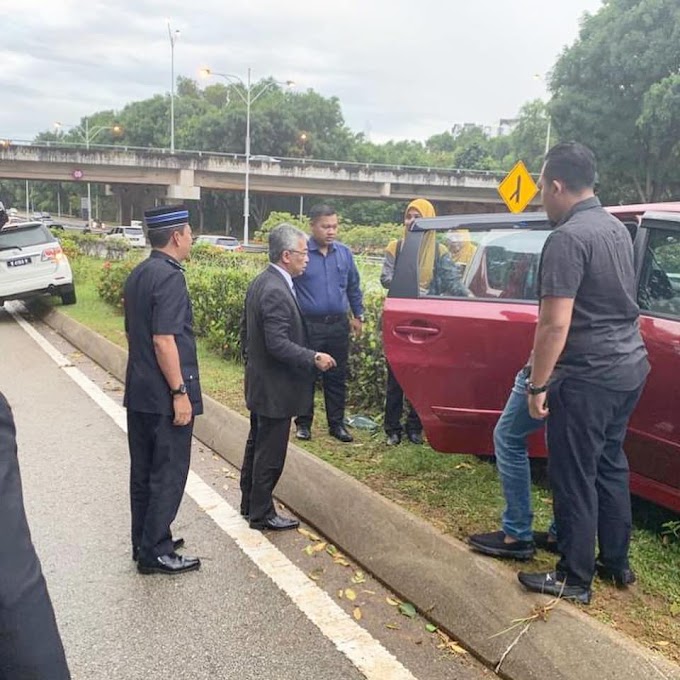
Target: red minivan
456,357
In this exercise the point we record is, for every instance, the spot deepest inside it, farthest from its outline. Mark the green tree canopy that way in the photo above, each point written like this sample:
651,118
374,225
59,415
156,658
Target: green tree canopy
602,84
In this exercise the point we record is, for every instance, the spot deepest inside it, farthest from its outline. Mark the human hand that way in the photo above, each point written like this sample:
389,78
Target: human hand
356,326
538,407
183,410
324,362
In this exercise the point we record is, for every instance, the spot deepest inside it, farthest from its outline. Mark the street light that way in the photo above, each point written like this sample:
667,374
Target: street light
173,35
248,98
89,134
538,76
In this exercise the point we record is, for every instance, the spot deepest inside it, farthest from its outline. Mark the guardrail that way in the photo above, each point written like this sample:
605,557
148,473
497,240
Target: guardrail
9,143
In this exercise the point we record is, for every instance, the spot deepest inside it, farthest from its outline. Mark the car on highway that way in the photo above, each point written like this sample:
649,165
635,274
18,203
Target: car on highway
41,215
264,159
223,242
456,357
133,236
32,263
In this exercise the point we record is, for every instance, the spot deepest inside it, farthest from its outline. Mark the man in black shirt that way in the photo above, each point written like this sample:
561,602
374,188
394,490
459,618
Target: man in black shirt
162,391
589,368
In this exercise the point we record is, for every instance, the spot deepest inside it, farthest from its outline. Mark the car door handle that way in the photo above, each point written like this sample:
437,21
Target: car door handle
417,330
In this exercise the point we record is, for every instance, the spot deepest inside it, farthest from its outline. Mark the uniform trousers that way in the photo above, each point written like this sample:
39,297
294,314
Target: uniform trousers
160,453
394,406
30,646
263,462
332,338
589,476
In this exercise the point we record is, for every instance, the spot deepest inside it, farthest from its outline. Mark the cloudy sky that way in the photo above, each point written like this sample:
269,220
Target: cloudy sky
401,68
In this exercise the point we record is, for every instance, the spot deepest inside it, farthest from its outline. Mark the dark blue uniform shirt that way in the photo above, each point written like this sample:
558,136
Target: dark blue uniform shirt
330,284
157,302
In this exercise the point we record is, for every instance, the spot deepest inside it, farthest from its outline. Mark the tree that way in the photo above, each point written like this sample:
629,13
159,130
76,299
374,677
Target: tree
601,84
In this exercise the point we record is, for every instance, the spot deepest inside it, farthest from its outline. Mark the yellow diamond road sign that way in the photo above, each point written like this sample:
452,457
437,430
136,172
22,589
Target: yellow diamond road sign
518,188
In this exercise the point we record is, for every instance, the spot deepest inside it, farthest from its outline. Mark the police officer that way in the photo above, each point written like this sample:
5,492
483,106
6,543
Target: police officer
30,646
162,390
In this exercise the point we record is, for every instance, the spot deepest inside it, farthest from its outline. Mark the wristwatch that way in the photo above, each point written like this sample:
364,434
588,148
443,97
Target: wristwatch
533,389
182,389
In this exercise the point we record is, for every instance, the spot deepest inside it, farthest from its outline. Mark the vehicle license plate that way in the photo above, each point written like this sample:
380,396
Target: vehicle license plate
19,262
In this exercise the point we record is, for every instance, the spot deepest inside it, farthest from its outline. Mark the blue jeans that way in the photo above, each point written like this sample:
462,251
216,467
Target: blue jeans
512,460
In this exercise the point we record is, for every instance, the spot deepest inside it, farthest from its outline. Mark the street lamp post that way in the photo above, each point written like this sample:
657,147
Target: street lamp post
88,134
173,35
248,98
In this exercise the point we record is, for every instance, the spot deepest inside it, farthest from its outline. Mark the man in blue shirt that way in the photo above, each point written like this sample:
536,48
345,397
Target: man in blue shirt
326,292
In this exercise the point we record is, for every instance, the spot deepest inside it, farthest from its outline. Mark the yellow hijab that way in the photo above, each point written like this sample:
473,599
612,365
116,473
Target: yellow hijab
464,255
427,247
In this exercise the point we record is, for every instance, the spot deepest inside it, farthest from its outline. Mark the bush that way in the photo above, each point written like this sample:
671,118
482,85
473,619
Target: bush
367,368
218,295
112,281
276,218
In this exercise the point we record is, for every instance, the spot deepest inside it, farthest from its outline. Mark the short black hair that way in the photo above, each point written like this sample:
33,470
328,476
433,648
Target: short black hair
159,238
321,210
573,164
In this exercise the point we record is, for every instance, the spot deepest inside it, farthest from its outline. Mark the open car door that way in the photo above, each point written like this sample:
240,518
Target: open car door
455,353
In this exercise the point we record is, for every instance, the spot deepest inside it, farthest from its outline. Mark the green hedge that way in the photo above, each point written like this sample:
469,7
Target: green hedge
217,283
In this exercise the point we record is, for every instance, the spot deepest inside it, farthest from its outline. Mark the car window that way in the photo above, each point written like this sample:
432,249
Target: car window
226,241
659,288
133,231
21,237
494,264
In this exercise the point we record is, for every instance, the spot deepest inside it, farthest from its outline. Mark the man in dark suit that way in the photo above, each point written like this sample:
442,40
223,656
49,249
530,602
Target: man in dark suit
280,373
30,646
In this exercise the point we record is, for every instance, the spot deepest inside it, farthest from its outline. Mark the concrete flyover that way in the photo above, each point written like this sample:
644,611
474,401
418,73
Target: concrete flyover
183,174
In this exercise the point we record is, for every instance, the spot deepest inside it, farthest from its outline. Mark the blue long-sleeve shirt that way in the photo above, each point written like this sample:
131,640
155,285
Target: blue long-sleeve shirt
330,284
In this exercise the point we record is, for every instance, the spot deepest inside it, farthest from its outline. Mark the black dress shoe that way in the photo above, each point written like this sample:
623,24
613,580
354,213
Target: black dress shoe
542,540
304,433
275,523
245,513
393,439
339,432
494,544
169,564
621,577
415,437
176,545
553,583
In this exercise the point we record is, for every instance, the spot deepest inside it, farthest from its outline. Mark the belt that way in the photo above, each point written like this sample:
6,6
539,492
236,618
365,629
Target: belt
328,318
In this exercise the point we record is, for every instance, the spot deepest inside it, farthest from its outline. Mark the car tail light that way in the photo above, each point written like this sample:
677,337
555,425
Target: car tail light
54,253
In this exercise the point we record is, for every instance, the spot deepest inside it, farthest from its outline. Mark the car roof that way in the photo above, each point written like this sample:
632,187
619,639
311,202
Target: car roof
16,226
532,220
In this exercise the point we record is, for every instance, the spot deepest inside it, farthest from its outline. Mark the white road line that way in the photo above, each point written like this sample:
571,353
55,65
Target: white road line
364,651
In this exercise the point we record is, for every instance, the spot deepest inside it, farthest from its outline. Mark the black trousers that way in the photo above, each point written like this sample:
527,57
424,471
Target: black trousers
589,476
332,338
263,462
160,454
30,646
394,406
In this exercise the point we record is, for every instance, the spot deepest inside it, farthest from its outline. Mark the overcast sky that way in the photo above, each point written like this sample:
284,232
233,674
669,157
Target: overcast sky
401,68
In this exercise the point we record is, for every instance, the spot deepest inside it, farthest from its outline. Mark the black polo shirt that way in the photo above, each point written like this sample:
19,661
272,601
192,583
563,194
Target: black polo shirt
157,302
589,257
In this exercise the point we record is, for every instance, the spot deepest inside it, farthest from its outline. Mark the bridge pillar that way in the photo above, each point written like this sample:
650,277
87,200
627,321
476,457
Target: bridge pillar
134,199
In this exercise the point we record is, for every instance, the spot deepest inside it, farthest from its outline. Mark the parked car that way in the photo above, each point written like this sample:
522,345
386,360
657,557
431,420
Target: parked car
134,236
41,215
224,242
456,357
32,263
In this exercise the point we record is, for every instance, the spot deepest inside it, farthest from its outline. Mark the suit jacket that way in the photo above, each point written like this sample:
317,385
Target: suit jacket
280,370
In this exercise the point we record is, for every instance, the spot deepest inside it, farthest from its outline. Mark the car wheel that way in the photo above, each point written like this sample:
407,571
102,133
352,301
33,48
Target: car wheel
68,298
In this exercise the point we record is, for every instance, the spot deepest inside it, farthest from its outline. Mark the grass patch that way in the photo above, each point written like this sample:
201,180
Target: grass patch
458,494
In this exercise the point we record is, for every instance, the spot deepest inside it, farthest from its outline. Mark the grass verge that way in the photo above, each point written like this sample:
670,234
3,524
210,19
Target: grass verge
458,494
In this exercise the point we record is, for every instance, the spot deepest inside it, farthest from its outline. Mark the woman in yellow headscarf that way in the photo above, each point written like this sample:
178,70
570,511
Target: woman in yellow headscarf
394,395
416,209
462,249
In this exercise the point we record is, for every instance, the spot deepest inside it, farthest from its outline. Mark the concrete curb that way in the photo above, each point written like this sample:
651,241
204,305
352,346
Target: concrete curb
470,596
